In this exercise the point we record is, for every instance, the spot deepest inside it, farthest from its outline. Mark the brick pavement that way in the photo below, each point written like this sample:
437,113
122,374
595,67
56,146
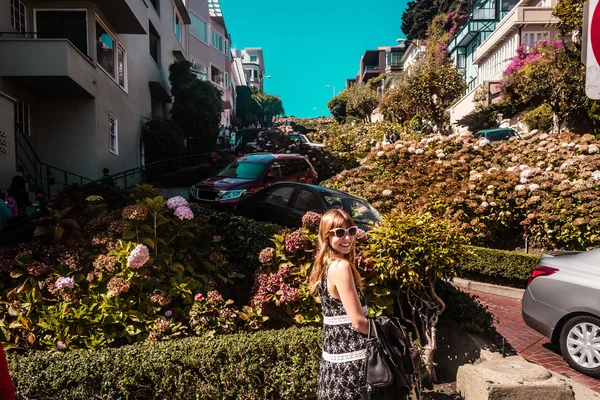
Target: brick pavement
530,344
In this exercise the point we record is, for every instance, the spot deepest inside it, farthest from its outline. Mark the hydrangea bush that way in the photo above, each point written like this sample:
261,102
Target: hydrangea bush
130,276
544,187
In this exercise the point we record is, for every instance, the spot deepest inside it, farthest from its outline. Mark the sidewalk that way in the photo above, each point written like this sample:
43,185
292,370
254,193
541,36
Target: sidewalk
530,344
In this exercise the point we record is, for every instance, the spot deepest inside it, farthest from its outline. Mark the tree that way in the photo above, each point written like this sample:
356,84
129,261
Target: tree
163,139
417,17
548,73
267,106
244,105
196,109
427,89
570,13
361,101
337,106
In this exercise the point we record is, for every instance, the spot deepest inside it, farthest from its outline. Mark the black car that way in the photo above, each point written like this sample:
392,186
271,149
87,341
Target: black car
286,203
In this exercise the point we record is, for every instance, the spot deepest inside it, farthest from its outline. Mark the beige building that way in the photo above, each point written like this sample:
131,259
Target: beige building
79,79
209,50
528,22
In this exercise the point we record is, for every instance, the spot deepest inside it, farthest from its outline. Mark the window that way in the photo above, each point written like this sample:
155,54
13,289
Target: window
111,56
216,75
217,41
156,5
280,196
122,67
63,24
22,116
198,27
294,167
308,201
18,15
253,59
531,38
105,49
113,131
462,61
393,59
154,44
177,25
255,73
199,69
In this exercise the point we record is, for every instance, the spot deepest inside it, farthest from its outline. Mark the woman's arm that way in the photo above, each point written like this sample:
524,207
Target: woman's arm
340,275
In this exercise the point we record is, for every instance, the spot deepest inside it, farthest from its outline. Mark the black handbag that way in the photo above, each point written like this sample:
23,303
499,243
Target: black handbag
379,373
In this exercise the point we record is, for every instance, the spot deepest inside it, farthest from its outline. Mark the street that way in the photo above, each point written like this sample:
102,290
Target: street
530,344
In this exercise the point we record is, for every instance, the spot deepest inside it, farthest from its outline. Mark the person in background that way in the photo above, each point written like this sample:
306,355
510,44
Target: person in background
233,138
7,389
5,213
395,137
226,137
386,139
17,191
106,179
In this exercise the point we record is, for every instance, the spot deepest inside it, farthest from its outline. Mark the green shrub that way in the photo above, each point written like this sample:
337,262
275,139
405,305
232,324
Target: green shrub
264,365
497,266
244,238
163,139
539,118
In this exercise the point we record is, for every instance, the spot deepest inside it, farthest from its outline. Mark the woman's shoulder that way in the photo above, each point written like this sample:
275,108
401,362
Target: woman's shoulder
339,265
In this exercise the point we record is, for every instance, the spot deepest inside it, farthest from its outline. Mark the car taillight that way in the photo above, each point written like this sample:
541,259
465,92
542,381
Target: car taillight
541,271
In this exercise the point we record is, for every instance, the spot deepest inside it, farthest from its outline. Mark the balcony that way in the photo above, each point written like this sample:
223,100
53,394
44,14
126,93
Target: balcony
47,67
121,14
369,71
518,17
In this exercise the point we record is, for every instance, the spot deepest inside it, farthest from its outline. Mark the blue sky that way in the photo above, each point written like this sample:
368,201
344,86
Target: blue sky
310,44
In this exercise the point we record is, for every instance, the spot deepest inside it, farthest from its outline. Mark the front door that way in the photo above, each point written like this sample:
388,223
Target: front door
8,163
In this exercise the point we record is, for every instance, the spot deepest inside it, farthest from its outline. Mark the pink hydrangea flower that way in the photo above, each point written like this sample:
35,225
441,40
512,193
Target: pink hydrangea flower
184,213
198,297
311,219
64,282
175,202
138,257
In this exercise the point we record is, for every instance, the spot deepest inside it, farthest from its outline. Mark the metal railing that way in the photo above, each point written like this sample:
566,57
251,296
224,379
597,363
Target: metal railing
42,176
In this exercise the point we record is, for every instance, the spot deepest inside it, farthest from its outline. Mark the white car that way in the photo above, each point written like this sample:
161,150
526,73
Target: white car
303,139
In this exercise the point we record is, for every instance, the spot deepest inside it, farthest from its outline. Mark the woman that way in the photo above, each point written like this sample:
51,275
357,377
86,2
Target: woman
337,281
18,192
7,389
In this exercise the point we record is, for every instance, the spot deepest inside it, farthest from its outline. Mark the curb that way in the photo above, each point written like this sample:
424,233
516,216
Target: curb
503,291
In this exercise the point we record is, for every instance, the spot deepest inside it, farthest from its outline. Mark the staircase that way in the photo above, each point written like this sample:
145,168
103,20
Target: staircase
40,176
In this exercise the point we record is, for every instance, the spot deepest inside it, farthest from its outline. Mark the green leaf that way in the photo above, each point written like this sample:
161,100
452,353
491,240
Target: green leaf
15,273
148,242
128,235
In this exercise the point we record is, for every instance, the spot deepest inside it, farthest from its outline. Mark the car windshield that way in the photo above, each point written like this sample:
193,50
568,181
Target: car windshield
361,211
243,170
299,138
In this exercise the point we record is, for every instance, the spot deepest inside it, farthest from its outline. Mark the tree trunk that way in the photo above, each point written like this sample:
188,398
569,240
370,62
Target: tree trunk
427,356
555,123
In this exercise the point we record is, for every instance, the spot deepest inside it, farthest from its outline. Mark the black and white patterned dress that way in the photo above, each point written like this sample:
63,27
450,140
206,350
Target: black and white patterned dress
342,372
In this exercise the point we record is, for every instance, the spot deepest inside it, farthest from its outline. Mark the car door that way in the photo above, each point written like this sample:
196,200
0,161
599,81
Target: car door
273,204
304,200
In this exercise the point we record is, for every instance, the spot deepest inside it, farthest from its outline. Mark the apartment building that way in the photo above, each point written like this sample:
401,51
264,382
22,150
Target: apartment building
253,64
209,50
412,51
79,78
384,60
482,53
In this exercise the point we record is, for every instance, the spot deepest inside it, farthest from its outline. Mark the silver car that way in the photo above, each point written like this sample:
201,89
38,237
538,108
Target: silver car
562,302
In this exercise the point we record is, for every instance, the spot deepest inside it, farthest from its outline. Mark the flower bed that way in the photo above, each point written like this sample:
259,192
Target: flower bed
545,186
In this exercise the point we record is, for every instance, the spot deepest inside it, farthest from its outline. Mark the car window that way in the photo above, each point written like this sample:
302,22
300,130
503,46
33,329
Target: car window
243,170
299,138
293,167
498,135
276,169
360,211
280,196
307,201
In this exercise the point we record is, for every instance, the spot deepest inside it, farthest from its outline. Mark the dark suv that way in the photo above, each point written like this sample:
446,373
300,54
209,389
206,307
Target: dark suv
250,174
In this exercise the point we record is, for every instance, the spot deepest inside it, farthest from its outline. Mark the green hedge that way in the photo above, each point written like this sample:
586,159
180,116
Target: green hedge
498,266
264,365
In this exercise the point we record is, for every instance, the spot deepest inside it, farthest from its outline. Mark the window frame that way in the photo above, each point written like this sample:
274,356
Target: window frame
13,14
115,133
152,29
255,61
213,32
222,84
117,47
176,18
194,60
156,6
206,28
20,105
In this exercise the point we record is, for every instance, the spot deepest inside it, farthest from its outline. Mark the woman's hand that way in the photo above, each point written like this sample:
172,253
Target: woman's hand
342,283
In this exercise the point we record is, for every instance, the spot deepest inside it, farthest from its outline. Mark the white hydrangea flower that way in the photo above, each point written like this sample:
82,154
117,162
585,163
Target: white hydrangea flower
419,151
527,174
387,192
593,149
484,204
511,169
398,146
596,175
518,188
411,149
380,153
523,167
484,142
533,187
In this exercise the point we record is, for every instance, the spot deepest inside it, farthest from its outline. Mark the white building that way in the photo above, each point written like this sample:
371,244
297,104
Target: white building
253,64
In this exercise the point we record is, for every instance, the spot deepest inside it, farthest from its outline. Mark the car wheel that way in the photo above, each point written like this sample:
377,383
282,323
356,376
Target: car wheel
580,344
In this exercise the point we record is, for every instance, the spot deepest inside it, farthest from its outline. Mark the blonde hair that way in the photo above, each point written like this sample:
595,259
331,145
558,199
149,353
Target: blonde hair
332,219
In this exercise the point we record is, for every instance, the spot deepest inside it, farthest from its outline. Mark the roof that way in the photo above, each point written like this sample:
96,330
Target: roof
214,8
495,130
322,190
266,157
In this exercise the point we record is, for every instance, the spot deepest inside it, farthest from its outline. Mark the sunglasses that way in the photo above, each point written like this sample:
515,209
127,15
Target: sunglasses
342,232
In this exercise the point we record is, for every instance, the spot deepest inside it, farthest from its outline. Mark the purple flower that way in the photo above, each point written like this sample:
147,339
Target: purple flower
64,282
311,219
184,213
138,257
175,202
267,255
60,345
